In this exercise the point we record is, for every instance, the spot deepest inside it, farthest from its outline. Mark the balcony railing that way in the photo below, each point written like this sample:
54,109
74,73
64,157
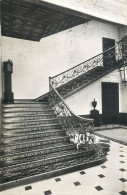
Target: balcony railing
109,56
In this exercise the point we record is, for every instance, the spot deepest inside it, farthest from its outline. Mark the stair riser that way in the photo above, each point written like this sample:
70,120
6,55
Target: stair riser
13,148
29,123
33,168
30,137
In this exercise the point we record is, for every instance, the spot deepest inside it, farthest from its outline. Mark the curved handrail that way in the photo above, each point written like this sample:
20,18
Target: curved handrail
62,100
75,126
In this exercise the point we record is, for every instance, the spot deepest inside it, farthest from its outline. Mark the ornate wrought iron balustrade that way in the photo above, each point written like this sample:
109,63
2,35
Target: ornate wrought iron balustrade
109,57
79,129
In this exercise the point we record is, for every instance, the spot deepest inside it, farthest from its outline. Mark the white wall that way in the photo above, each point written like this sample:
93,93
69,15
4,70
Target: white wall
122,31
81,102
34,62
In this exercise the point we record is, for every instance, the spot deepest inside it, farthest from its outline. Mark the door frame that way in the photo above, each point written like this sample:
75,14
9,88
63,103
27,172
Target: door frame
118,94
103,42
113,58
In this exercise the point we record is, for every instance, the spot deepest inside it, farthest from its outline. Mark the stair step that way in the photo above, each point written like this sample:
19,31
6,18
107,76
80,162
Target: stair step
43,126
18,132
32,139
28,109
29,122
40,142
32,129
24,100
30,105
28,118
28,114
8,138
29,101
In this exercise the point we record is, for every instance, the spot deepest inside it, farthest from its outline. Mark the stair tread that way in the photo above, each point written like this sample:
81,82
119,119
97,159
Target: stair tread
32,120
30,137
30,126
29,130
20,101
6,115
20,137
9,135
29,103
9,110
22,104
38,140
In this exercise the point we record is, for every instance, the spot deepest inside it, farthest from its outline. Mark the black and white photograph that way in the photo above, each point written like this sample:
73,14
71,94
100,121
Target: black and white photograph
63,97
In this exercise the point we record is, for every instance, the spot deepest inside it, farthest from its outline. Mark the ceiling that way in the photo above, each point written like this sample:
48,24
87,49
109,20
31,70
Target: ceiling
34,19
114,11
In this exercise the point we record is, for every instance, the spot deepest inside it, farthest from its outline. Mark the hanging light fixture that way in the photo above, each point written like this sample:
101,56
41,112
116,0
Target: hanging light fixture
123,73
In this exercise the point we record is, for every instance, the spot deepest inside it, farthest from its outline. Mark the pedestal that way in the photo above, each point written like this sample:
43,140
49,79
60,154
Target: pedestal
94,114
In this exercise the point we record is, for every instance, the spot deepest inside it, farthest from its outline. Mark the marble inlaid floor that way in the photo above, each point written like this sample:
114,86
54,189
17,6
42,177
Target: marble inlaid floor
118,134
109,178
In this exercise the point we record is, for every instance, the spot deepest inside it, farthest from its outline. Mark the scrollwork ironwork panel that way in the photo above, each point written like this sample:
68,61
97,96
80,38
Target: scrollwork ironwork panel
73,124
109,57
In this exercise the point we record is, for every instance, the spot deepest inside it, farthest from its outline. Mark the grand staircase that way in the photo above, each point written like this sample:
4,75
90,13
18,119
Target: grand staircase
43,138
34,145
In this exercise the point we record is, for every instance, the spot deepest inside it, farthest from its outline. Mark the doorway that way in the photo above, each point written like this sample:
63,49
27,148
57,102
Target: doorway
109,56
110,103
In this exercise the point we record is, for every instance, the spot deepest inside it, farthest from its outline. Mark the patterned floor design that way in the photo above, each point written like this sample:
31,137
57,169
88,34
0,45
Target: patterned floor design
117,134
109,178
